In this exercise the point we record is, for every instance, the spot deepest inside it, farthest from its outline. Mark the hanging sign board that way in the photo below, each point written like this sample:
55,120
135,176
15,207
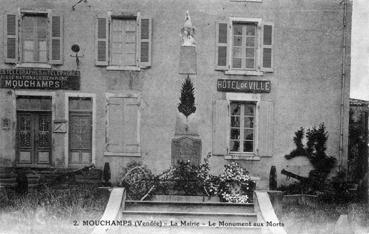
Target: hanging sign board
39,79
244,86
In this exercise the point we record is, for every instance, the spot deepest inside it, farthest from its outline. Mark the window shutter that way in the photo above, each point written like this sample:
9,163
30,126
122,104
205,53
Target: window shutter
101,45
11,38
265,128
221,46
131,141
56,39
145,42
267,47
220,127
115,125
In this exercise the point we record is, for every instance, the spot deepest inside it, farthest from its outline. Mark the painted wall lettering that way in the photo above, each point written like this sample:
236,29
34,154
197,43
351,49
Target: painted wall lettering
39,79
244,86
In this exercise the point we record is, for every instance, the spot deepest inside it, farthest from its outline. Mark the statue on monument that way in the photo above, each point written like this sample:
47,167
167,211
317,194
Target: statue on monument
188,32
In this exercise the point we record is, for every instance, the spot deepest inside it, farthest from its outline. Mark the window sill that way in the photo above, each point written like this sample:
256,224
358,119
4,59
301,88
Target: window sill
112,154
33,165
246,0
247,157
122,68
33,65
245,73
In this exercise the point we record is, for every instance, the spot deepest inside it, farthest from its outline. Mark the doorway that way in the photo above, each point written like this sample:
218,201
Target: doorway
33,144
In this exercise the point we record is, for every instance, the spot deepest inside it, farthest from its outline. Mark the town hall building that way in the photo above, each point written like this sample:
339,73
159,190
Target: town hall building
100,81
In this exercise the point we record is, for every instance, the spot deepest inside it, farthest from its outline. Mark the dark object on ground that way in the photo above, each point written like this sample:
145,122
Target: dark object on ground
273,178
69,175
106,174
22,182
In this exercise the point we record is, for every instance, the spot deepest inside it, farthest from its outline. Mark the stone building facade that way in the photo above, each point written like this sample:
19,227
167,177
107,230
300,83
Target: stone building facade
264,69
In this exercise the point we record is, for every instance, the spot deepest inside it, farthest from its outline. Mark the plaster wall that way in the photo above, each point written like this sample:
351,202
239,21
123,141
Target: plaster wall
306,82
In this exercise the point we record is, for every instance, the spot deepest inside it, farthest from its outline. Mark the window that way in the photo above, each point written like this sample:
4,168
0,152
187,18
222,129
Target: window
244,46
34,38
37,40
243,127
123,42
80,130
242,137
122,125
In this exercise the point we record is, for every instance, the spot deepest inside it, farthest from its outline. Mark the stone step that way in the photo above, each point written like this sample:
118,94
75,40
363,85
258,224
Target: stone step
188,217
186,198
238,208
187,230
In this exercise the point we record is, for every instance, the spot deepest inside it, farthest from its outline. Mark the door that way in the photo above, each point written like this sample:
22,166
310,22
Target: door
80,130
33,137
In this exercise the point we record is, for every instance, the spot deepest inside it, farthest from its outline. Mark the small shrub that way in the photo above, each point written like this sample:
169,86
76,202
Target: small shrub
337,190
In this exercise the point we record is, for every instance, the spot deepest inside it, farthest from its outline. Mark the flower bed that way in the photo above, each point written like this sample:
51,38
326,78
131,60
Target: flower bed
233,185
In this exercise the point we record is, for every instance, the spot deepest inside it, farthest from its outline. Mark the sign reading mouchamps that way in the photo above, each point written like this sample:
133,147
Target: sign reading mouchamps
244,86
39,79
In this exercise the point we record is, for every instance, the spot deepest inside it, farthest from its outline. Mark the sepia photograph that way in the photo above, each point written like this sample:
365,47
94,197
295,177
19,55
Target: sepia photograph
184,116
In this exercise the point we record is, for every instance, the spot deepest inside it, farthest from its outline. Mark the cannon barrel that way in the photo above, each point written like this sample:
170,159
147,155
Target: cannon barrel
297,177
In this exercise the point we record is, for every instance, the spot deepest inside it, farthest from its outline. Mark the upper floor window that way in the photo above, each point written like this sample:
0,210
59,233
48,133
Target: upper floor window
34,37
123,42
244,46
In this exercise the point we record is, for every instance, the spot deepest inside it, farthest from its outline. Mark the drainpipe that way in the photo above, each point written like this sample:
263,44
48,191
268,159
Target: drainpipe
343,84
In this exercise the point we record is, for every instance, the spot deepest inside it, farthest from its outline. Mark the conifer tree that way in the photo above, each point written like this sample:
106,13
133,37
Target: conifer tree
187,99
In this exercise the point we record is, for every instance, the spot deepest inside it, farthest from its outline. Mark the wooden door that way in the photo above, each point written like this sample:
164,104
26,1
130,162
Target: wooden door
33,137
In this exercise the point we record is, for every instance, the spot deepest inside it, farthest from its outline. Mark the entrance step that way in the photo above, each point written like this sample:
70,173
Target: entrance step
188,217
188,214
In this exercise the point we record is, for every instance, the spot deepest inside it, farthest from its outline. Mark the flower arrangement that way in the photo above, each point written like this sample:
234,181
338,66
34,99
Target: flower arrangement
233,185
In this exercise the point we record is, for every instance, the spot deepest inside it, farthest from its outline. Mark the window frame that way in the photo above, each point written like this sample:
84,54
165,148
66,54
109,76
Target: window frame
234,71
123,16
18,61
244,98
242,127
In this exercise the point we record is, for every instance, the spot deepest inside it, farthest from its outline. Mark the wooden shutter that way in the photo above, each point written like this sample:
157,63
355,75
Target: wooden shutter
221,46
11,38
131,141
220,127
56,39
265,128
267,47
145,42
101,45
115,125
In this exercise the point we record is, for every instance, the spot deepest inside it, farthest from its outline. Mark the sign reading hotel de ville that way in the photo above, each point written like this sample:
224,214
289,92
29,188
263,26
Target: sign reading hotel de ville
39,79
244,86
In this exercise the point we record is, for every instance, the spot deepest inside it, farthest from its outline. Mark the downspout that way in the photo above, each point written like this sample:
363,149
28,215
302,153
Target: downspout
343,84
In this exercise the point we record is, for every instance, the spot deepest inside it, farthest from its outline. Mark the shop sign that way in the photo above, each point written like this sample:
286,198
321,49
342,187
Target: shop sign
39,79
244,86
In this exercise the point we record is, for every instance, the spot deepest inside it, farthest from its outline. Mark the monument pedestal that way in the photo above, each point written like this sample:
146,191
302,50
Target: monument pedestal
186,143
187,60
